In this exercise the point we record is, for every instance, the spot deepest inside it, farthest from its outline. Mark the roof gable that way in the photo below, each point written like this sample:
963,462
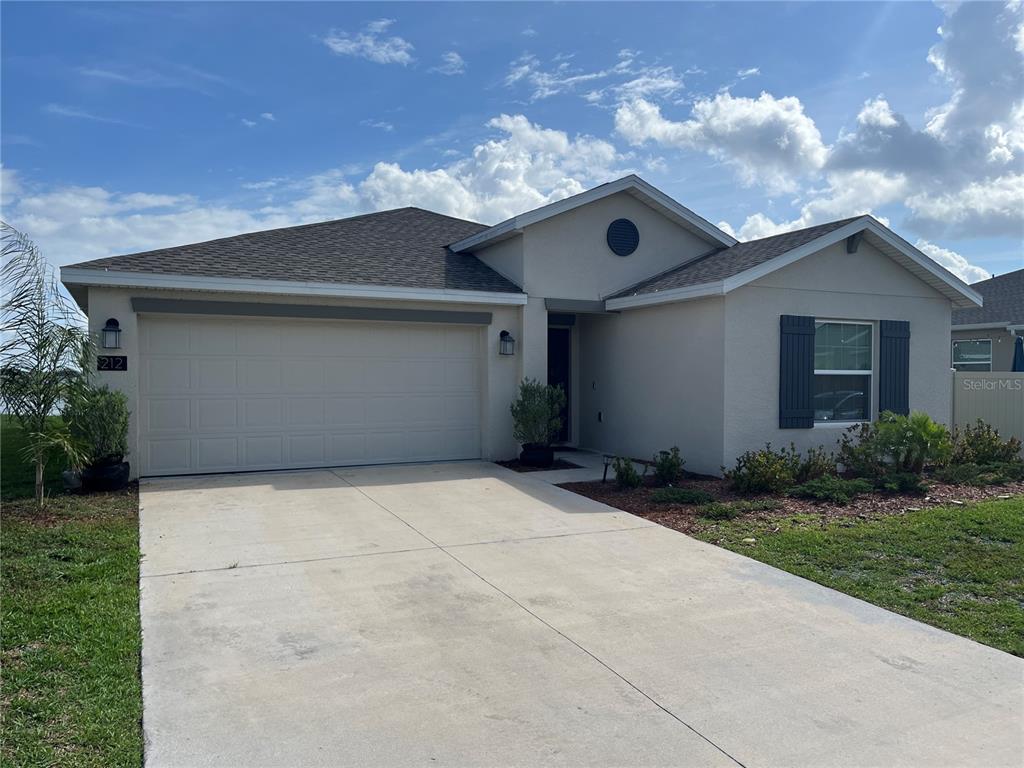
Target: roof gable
1004,301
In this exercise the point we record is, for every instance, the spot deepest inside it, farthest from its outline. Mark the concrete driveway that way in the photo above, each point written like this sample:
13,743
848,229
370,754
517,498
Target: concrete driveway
462,614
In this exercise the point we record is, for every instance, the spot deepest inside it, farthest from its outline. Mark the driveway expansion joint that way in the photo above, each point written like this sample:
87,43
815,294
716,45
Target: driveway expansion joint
551,627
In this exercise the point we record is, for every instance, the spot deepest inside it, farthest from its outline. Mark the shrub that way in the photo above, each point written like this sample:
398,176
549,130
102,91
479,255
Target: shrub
981,444
681,496
727,510
626,476
902,482
895,443
860,453
98,418
536,413
668,465
998,473
831,488
765,471
817,462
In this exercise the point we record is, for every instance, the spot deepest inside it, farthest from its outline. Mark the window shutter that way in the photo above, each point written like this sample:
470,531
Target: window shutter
796,372
894,366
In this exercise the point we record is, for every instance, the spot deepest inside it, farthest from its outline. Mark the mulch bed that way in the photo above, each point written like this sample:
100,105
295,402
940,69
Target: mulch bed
683,517
515,466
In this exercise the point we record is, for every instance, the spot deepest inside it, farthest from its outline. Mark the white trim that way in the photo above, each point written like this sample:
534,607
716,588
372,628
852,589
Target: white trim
955,289
99,277
869,373
1000,325
632,183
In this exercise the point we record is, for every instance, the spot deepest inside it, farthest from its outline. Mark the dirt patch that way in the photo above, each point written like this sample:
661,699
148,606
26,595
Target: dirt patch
515,466
683,517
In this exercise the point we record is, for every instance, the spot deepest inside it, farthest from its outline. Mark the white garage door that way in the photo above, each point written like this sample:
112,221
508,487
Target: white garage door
222,395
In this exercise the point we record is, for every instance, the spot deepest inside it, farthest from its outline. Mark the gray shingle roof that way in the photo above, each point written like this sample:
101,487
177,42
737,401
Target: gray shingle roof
726,262
405,247
1004,301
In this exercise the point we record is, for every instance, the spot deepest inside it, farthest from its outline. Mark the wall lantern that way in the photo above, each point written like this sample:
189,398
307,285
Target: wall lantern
506,344
111,334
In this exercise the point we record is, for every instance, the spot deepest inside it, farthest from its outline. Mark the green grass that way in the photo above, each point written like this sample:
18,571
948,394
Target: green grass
17,476
958,568
70,692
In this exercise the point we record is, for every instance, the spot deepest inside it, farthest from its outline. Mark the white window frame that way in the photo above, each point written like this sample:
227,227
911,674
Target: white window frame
835,372
953,364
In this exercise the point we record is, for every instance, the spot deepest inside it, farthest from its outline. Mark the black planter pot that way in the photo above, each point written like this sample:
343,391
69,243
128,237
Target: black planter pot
106,477
534,455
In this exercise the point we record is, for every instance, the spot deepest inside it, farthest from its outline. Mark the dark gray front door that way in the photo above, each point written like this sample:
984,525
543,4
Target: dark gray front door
560,372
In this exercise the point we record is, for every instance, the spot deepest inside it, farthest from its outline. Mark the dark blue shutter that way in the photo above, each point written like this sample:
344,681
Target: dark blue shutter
894,366
796,372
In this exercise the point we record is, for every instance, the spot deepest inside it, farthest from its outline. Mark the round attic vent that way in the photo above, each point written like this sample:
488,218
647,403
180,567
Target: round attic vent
623,237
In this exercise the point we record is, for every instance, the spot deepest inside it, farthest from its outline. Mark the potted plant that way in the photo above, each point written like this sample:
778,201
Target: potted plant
536,419
98,417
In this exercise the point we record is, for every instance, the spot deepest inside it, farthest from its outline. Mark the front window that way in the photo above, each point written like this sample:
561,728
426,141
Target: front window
972,355
842,371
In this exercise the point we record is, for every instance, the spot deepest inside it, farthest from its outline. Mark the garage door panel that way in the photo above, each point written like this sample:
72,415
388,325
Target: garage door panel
222,394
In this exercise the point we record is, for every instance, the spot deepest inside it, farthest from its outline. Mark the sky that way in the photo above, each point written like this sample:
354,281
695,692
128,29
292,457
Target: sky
133,126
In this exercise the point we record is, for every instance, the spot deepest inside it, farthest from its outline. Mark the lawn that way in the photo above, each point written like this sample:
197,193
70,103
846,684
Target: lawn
70,639
954,567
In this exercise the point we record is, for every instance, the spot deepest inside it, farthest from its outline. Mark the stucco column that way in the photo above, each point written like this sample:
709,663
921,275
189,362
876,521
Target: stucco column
535,340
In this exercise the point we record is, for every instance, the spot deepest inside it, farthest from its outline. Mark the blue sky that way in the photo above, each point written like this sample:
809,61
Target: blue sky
134,126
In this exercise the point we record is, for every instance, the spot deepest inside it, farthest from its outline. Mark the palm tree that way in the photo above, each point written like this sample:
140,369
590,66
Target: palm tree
43,353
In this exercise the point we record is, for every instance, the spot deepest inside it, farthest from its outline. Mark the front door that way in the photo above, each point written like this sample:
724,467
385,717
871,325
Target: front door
559,373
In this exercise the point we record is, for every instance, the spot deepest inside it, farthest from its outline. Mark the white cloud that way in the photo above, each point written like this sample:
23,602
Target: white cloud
769,141
529,32
562,78
269,116
743,74
451,64
371,44
953,261
381,125
995,207
248,123
63,110
877,112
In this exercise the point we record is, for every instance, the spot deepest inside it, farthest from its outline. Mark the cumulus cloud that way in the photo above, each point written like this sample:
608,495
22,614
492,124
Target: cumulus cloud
451,64
994,207
769,141
372,44
953,261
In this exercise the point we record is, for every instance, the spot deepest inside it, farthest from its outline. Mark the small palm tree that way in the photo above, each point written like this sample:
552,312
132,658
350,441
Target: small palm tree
44,353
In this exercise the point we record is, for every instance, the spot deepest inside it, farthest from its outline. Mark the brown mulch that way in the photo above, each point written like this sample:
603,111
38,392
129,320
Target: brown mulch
683,517
515,466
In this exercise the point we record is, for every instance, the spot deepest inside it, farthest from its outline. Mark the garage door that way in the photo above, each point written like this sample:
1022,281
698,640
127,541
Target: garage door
223,395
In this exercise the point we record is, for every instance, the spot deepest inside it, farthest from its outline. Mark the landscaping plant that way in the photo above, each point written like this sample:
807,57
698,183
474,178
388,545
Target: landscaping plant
997,473
43,354
817,462
831,488
626,476
765,470
681,496
97,417
668,466
902,482
981,444
536,417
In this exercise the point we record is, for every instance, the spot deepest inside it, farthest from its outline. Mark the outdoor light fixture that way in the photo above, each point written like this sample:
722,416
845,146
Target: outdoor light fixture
506,344
608,458
111,334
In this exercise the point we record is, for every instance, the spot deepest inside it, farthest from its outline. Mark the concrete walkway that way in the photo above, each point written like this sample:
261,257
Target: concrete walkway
463,614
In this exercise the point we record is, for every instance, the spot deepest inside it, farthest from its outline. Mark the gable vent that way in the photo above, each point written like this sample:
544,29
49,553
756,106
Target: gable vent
623,237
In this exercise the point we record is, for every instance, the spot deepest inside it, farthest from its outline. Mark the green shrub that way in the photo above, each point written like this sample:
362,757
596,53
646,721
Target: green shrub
626,476
895,444
765,471
727,510
681,496
831,488
902,482
980,444
97,417
998,473
668,465
817,462
536,413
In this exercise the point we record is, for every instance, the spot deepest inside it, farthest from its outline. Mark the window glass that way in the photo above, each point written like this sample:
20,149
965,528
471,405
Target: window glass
841,398
972,355
842,347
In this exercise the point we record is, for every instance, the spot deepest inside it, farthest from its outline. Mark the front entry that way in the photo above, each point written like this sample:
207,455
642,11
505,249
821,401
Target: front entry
560,373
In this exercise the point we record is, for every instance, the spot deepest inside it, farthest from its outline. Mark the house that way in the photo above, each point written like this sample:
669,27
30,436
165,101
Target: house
983,337
402,335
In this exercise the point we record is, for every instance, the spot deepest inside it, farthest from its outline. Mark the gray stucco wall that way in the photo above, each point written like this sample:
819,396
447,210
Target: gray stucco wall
834,285
655,375
1002,345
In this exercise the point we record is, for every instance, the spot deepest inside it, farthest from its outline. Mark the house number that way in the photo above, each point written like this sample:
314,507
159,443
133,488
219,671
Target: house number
111,363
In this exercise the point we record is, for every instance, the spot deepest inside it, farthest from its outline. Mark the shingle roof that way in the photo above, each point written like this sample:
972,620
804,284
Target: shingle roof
725,262
1004,301
405,247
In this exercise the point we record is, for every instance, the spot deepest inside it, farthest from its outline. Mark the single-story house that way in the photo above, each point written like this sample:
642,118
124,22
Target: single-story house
983,337
403,335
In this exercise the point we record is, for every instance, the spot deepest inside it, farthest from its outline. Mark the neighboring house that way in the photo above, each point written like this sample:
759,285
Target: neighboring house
380,338
983,337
